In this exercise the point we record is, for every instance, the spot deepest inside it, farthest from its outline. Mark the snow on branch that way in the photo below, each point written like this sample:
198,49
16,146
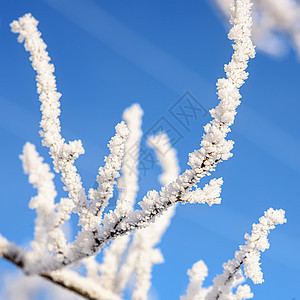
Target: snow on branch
232,277
167,157
52,255
214,146
197,274
48,232
65,278
3,246
108,175
275,21
128,187
63,154
128,182
21,287
142,253
210,193
248,255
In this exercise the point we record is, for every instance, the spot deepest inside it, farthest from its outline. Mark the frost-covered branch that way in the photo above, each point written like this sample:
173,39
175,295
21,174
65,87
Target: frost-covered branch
63,154
272,19
42,179
248,256
106,179
128,182
50,217
65,278
232,277
21,287
197,274
142,253
210,193
52,255
110,172
11,252
214,146
128,187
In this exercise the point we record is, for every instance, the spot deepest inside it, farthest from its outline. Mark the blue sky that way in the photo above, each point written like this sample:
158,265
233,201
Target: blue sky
110,54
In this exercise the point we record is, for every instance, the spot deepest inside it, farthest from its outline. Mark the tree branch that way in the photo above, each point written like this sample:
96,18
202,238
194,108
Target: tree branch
65,278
